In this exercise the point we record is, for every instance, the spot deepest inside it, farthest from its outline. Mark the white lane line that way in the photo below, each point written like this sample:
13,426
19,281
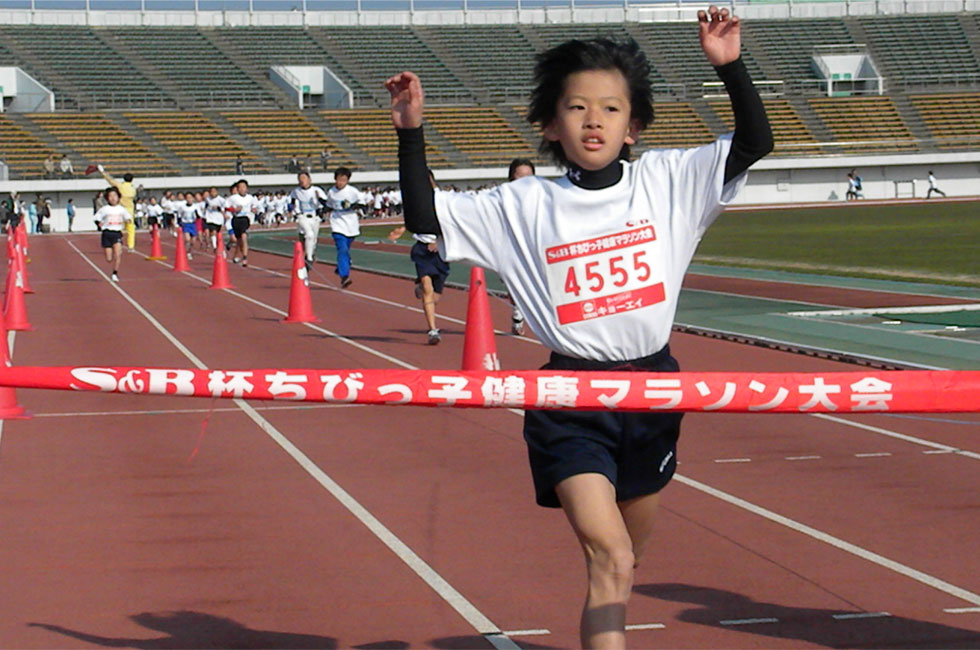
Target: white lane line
940,451
836,542
733,460
877,454
804,457
179,411
538,632
857,615
748,621
645,626
896,435
962,610
463,607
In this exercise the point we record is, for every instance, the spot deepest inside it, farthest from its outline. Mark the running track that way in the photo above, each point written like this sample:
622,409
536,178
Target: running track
122,524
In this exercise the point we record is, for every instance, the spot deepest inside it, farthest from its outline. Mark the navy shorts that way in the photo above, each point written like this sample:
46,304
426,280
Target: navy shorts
240,225
111,237
430,264
637,452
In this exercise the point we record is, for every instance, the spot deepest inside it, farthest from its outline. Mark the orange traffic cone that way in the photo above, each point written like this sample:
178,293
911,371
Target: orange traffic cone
21,262
156,253
9,408
16,310
219,276
180,257
300,303
479,346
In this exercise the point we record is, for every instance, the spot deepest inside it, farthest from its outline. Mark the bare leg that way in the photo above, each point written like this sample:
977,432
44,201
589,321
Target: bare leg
116,256
589,501
429,300
639,515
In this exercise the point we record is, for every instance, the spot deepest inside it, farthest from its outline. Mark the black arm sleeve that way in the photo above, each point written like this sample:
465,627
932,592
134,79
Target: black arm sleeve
753,135
418,199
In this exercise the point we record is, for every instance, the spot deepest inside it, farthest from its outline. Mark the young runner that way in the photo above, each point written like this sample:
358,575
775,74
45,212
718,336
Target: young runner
343,201
242,206
306,201
187,213
112,219
595,262
214,218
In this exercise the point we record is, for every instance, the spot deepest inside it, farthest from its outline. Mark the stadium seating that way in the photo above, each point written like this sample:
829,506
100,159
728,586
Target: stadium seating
789,131
286,134
371,131
675,125
21,150
861,124
789,44
482,134
920,46
196,140
953,119
99,140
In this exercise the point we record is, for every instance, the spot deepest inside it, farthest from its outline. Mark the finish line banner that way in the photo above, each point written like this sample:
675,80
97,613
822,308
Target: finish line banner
905,391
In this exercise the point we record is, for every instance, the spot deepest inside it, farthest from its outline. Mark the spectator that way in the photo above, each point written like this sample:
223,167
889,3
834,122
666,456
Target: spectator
853,186
294,165
70,209
49,167
239,166
932,187
98,201
325,156
67,171
32,218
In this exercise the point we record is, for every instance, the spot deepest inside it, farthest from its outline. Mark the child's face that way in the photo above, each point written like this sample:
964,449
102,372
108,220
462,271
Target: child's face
341,182
112,198
592,118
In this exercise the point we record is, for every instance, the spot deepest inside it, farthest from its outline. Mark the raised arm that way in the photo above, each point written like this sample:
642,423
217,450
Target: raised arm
108,177
721,40
418,198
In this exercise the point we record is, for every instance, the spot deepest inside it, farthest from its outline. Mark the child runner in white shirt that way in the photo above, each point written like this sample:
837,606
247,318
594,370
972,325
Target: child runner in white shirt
214,218
242,207
343,201
112,219
595,262
187,217
306,202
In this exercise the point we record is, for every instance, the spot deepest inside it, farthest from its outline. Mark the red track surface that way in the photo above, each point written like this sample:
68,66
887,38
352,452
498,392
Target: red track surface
112,534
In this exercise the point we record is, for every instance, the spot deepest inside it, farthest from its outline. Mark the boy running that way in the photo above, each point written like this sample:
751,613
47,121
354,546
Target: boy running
343,201
306,202
112,219
595,261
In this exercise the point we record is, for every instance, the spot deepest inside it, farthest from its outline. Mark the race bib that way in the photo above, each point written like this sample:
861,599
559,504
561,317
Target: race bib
606,275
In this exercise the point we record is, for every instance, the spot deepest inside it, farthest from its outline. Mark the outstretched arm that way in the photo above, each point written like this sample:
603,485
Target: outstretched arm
721,40
418,199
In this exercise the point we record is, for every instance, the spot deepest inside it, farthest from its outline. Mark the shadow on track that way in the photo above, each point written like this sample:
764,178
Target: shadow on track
812,625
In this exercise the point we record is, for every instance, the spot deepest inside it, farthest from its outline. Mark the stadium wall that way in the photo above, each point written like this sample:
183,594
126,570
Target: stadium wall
772,181
417,13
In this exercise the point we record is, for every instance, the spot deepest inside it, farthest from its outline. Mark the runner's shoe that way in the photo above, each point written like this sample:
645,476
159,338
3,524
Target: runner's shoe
345,282
434,337
115,277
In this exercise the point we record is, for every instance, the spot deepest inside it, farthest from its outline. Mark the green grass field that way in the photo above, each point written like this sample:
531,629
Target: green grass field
937,242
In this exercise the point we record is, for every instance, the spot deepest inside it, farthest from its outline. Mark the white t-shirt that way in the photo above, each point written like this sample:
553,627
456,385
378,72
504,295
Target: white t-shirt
241,206
344,220
154,210
187,212
597,273
307,201
113,217
214,210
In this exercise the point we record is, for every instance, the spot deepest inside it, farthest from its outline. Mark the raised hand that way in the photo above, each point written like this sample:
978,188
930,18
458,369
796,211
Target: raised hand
721,35
407,100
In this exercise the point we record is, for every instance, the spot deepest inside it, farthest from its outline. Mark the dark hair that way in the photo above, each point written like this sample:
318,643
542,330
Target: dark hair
555,65
240,181
111,188
341,171
128,178
519,162
303,172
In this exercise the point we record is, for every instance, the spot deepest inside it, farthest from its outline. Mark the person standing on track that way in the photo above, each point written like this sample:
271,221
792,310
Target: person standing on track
343,201
595,261
127,197
307,202
112,219
431,272
242,207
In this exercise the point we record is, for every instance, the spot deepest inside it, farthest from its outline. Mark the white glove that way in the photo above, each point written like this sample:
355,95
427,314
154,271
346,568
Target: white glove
100,168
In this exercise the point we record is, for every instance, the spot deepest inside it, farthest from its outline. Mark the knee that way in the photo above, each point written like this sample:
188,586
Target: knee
613,563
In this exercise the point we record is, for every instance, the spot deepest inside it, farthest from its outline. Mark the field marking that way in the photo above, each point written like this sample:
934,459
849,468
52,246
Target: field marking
536,632
873,454
803,458
896,435
926,309
962,610
733,460
437,583
836,542
748,621
858,615
645,626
